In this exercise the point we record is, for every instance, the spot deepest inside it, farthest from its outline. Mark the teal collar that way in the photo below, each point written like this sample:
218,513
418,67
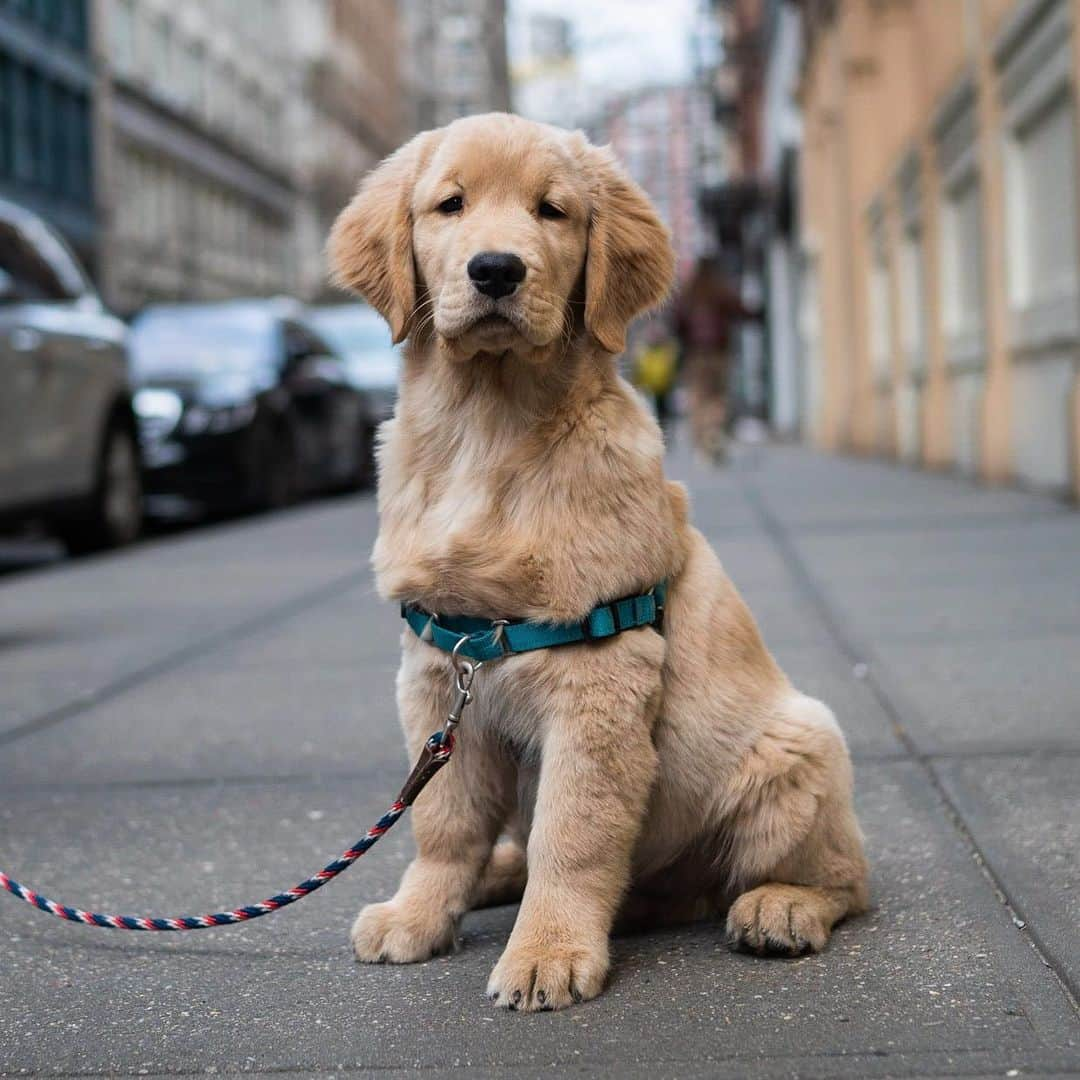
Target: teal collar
488,639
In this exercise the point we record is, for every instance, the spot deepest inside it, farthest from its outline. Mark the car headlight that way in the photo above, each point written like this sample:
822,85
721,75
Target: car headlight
157,412
202,420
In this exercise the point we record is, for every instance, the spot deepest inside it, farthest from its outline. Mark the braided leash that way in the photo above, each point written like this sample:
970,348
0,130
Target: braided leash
470,650
435,755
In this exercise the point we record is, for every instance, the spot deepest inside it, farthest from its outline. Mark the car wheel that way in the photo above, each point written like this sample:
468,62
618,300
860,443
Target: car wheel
275,484
115,514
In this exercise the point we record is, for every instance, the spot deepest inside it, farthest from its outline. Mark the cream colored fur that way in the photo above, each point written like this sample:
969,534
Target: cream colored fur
640,779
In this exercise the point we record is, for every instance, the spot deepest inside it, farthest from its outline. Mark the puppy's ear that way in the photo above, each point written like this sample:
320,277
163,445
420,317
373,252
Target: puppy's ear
630,265
370,245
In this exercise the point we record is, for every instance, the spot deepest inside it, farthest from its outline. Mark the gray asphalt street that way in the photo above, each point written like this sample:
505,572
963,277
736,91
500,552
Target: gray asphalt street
208,717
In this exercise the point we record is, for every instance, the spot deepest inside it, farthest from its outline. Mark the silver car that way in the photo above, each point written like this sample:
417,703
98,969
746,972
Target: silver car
68,448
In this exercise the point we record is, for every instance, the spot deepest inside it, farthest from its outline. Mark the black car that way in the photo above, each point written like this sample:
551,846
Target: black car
242,405
372,361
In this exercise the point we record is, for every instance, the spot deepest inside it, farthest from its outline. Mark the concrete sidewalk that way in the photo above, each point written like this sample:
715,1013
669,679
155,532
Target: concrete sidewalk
206,718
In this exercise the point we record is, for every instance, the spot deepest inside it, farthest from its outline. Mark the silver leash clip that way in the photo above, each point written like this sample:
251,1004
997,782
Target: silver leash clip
464,672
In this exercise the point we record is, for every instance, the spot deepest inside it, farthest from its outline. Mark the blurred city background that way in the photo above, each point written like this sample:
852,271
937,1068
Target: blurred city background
873,202
868,379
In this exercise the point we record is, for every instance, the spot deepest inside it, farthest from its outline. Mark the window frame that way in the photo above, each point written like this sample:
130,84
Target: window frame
911,268
881,316
956,144
1034,58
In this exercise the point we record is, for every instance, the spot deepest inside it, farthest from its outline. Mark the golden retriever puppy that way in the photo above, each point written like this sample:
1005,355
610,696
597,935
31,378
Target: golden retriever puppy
646,777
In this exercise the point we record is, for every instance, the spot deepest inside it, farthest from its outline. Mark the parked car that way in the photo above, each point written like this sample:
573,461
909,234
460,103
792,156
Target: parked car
69,453
243,405
373,364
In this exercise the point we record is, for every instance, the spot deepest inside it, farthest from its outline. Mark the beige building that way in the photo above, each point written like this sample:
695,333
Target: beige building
940,299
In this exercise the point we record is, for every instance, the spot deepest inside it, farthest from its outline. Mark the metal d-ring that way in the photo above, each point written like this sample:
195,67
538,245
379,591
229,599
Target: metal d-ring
499,637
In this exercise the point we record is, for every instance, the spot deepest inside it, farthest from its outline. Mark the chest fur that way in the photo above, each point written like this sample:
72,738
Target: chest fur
521,527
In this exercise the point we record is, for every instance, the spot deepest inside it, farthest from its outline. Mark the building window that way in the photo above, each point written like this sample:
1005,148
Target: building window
809,326
161,54
194,75
960,233
961,272
250,112
64,20
228,97
76,139
1035,67
44,133
70,21
273,124
22,168
1034,57
1041,209
7,117
881,328
912,283
123,31
912,277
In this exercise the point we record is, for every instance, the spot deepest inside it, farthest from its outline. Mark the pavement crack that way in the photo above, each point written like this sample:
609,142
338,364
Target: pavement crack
857,653
168,783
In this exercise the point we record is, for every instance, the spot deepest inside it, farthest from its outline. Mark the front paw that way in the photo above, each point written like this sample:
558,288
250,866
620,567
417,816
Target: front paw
778,920
400,933
547,975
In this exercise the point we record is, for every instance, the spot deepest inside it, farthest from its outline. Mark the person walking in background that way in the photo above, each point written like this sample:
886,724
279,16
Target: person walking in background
655,368
706,315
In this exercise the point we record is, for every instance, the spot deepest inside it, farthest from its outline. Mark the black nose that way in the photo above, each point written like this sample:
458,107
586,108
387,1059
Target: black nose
496,273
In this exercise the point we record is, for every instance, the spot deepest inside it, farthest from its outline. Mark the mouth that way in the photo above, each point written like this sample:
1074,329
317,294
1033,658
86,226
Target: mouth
493,321
491,328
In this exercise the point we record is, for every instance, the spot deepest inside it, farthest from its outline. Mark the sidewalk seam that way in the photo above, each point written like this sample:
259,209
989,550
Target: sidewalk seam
323,776
800,572
177,658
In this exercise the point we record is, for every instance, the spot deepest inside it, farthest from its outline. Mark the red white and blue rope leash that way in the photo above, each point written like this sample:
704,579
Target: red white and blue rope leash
218,918
436,753
621,615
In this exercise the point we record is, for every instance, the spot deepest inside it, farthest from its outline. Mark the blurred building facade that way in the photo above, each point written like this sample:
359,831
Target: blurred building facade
226,144
941,235
348,112
194,167
200,151
545,76
654,134
736,202
454,56
781,140
48,97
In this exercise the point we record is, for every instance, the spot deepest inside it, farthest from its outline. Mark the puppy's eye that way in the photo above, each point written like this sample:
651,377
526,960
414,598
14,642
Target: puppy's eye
453,205
550,210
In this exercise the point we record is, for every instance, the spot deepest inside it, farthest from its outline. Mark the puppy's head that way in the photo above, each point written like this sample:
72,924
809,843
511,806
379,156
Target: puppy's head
499,235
